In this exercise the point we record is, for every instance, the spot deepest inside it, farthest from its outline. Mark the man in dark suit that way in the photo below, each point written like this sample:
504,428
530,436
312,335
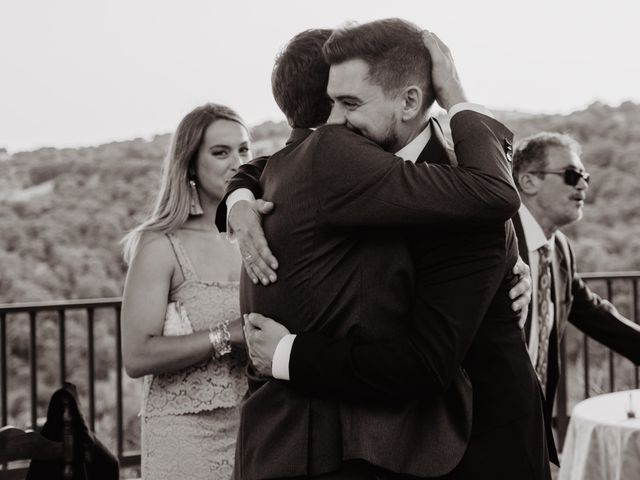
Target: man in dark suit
553,185
348,272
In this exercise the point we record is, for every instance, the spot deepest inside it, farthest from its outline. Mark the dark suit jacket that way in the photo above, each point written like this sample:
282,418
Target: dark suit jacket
339,279
576,303
462,315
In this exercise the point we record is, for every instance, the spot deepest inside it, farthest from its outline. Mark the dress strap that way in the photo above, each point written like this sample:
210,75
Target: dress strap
188,272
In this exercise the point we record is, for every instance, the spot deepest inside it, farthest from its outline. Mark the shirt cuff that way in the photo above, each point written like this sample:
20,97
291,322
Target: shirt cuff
280,362
474,107
233,198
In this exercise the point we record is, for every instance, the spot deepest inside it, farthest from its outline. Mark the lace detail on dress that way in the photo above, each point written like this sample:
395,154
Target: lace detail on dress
212,383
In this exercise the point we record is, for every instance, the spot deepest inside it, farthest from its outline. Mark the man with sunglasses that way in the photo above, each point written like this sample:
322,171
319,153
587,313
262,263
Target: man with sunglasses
553,185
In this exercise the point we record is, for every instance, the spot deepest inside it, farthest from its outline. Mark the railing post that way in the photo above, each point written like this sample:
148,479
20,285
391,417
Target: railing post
62,346
611,364
3,368
634,309
585,347
120,420
33,363
91,369
561,399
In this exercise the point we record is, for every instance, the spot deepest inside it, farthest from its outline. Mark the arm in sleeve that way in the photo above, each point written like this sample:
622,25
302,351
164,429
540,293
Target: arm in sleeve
600,320
423,361
247,176
362,185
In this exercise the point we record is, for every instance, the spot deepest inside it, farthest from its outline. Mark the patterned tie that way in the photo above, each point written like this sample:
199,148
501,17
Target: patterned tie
544,303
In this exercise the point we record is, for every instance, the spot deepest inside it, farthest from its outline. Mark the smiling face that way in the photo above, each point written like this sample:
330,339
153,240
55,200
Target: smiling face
225,146
557,203
364,106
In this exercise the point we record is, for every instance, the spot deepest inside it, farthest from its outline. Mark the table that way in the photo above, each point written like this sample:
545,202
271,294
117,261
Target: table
601,442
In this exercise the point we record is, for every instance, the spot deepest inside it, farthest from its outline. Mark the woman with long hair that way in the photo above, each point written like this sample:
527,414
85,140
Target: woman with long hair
181,326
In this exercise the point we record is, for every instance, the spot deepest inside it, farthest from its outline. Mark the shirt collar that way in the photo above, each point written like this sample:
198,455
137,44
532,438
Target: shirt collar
533,233
412,150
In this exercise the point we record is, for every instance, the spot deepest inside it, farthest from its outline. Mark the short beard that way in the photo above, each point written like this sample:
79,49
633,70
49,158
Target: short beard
390,140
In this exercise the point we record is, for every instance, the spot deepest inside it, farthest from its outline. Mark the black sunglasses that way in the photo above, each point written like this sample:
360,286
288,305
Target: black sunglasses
571,175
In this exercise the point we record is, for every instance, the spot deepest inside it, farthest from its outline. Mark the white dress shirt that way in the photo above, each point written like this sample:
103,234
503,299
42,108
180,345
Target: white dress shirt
410,152
535,238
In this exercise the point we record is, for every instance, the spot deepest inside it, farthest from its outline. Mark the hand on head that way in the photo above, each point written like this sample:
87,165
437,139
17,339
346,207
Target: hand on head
444,74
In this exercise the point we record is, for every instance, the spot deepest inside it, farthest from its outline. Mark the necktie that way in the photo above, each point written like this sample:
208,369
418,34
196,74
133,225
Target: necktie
544,304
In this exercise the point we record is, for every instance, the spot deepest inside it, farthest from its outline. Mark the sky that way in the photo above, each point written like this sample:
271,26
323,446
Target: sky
85,72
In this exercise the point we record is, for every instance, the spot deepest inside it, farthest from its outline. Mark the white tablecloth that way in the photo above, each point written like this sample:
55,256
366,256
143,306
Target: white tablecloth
601,442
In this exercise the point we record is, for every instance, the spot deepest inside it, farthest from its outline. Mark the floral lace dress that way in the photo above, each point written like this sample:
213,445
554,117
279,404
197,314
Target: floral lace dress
190,417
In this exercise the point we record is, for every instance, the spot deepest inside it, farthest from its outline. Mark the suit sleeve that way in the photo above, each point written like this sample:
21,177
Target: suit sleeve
248,176
362,185
423,361
600,320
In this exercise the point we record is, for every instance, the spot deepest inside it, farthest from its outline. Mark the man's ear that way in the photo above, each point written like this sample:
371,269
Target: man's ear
412,98
529,183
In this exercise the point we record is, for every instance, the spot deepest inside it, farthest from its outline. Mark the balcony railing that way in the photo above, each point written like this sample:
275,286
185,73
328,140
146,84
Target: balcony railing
83,314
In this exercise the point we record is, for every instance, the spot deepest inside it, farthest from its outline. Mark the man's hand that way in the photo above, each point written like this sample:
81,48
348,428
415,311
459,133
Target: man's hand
522,291
245,223
444,75
263,335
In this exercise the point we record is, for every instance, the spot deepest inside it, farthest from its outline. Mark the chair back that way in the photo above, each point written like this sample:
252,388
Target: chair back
18,444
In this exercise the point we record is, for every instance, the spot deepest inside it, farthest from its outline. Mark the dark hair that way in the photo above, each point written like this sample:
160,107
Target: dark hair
299,80
394,50
531,152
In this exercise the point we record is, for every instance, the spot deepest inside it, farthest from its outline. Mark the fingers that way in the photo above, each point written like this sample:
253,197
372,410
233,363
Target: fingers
254,336
432,41
444,75
439,52
521,268
523,317
523,287
255,258
521,302
264,207
255,320
521,293
258,260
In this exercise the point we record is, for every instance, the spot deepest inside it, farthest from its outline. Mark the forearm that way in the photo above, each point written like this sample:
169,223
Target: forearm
248,177
162,354
424,360
483,149
601,321
362,186
337,367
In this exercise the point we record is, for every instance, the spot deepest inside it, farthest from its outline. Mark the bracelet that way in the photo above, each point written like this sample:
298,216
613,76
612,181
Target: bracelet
219,338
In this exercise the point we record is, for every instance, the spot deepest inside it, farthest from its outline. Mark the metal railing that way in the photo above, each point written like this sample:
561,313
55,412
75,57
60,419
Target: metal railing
629,282
34,313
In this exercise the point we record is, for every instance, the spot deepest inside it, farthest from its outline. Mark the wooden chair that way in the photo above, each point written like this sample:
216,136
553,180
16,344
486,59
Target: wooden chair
17,444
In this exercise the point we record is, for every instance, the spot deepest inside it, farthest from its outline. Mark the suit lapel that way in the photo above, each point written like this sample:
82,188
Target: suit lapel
524,254
437,149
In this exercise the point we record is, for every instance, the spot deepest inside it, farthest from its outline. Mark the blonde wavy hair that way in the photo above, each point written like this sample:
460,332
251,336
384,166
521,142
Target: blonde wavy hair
171,209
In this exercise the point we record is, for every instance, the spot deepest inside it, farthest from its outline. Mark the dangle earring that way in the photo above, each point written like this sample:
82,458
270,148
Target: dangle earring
194,207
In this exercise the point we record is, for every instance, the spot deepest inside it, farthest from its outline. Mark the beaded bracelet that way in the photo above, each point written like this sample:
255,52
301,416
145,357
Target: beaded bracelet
219,338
